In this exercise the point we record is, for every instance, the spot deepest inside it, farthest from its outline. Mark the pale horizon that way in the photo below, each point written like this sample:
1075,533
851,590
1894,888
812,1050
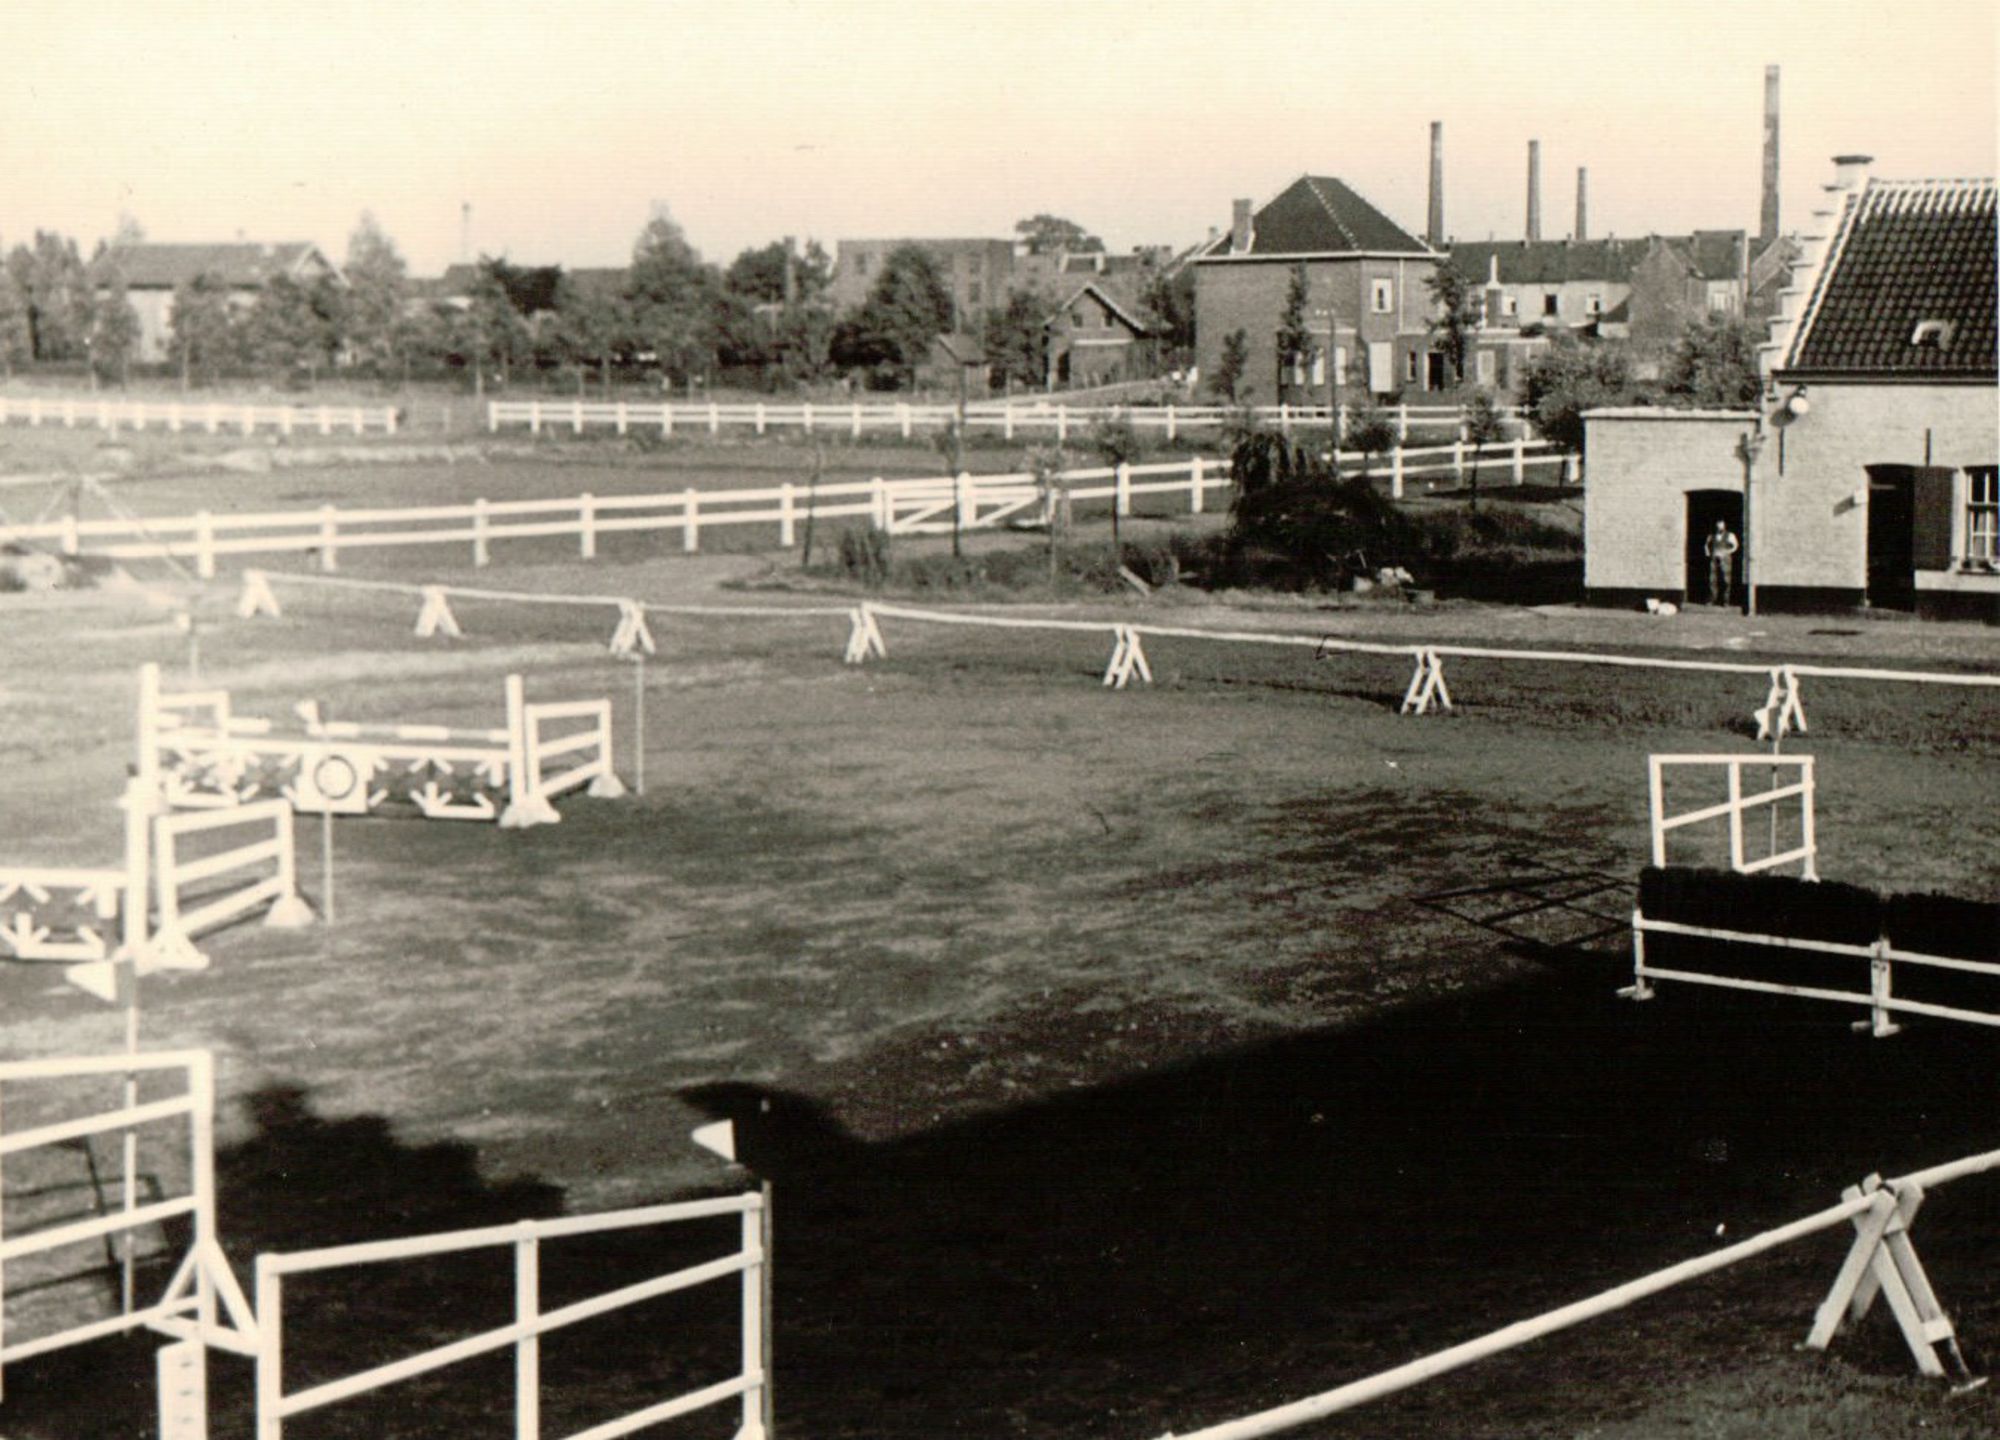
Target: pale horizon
563,125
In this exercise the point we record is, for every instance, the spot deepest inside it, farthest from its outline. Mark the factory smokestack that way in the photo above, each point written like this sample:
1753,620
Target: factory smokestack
1434,220
465,232
1582,203
1534,189
1767,219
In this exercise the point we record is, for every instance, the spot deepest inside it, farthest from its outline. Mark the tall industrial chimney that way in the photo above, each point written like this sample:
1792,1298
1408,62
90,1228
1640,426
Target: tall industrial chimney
1582,203
791,271
1434,220
1767,218
1534,189
465,232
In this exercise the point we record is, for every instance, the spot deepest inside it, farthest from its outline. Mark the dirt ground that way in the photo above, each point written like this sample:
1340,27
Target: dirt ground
1121,1062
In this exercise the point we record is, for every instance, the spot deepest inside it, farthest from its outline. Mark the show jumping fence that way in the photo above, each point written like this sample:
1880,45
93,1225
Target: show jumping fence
202,1306
1881,1261
71,411
1737,805
914,506
1011,418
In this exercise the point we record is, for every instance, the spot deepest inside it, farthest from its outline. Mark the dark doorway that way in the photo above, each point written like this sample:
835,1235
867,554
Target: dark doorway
1704,508
1892,564
1435,374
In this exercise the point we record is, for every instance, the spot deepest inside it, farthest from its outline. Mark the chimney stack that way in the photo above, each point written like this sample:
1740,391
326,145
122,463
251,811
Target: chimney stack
1850,172
465,232
1767,216
791,272
1239,229
1582,203
1434,220
1534,189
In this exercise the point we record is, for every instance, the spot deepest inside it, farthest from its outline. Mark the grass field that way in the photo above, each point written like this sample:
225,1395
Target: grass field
1122,1061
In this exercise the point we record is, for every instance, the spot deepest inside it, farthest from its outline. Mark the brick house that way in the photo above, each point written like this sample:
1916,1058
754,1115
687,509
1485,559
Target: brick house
153,272
1094,340
978,273
1366,293
1870,468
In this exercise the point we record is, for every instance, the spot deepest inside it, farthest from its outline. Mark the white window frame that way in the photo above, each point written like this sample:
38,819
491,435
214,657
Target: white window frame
1593,305
1382,296
1982,515
1510,306
1483,366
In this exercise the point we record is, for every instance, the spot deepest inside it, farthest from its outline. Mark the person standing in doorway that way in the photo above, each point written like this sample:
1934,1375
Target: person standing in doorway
1721,548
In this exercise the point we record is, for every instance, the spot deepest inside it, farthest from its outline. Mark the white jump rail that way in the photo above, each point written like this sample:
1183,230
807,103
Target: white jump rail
190,903
207,538
201,1304
750,1386
71,411
1737,805
1881,1261
855,419
69,914
345,768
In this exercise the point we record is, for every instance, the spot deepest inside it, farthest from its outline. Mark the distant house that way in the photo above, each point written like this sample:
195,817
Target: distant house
1870,467
955,358
1091,339
151,273
1368,301
976,272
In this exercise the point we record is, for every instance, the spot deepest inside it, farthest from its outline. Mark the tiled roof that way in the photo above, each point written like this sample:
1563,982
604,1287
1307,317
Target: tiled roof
1131,321
1909,286
1709,254
1319,215
243,265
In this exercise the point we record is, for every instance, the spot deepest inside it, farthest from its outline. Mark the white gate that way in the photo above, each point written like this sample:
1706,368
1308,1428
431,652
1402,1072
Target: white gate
1736,805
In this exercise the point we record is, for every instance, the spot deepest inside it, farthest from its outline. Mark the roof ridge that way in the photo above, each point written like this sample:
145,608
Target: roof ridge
1313,184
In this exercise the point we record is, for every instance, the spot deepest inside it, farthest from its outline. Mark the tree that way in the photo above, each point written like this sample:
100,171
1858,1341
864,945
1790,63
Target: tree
1294,343
1052,235
495,332
203,329
377,290
1169,306
804,342
907,309
1227,381
759,275
673,301
114,329
1459,313
1714,364
1483,426
292,328
1569,378
1369,430
589,328
17,339
58,293
1016,343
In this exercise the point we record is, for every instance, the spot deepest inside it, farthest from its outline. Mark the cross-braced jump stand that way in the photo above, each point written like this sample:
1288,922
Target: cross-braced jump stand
1781,712
258,598
633,636
1128,658
436,617
1882,1261
1427,685
864,637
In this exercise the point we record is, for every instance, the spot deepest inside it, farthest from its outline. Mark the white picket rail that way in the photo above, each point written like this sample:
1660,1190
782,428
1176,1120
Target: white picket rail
186,913
1736,805
1011,418
910,505
750,1260
1882,1260
175,415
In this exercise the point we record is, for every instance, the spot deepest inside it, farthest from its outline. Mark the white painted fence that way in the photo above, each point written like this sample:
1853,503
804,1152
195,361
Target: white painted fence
1881,1261
749,1386
190,902
911,506
71,411
1736,805
223,761
1057,419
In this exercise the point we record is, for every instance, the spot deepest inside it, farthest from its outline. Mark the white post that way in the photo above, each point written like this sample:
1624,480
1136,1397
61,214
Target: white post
528,1352
638,720
1196,484
1736,817
329,532
714,419
621,417
285,420
1284,418
1062,423
855,424
270,1301
1007,421
786,515
576,417
1520,461
760,417
691,520
492,417
903,419
1403,424
359,421
1569,470
204,544
72,541
1396,473
756,1321
878,497
534,417
1458,461
806,415
968,500
666,419
1171,432
586,524
480,554
1121,488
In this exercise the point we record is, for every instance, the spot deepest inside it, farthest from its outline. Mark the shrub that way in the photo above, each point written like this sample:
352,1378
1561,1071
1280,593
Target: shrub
864,554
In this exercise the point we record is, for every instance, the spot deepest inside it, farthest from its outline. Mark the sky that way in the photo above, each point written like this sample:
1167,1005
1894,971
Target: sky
563,125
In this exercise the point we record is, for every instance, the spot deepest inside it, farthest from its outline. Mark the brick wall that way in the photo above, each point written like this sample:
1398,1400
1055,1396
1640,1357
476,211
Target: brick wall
1250,296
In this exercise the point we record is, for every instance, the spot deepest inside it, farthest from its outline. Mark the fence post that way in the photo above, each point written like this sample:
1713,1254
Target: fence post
1396,473
1569,470
1121,488
806,415
666,419
690,520
855,429
1458,461
329,533
968,501
270,1304
534,417
1520,461
1171,430
1062,423
1403,423
714,419
528,1352
878,497
1196,481
621,417
903,418
204,545
586,524
325,420
479,549
1007,421
359,419
1284,418
72,542
576,417
756,1233
786,510
760,417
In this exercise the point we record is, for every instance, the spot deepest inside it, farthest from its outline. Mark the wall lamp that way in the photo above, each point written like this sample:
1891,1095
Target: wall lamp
1794,406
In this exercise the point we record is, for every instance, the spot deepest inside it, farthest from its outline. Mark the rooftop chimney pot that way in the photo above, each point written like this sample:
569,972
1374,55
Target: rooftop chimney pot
1534,189
1434,219
1239,229
1850,172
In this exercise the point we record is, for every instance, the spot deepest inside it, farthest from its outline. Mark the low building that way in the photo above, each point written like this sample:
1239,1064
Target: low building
1868,475
151,273
1091,339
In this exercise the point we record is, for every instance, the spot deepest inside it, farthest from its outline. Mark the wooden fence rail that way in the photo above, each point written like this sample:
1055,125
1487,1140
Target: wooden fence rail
914,506
71,411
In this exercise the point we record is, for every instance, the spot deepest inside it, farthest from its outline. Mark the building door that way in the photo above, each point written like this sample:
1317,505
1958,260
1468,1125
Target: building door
1434,371
1892,561
1381,366
1704,508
